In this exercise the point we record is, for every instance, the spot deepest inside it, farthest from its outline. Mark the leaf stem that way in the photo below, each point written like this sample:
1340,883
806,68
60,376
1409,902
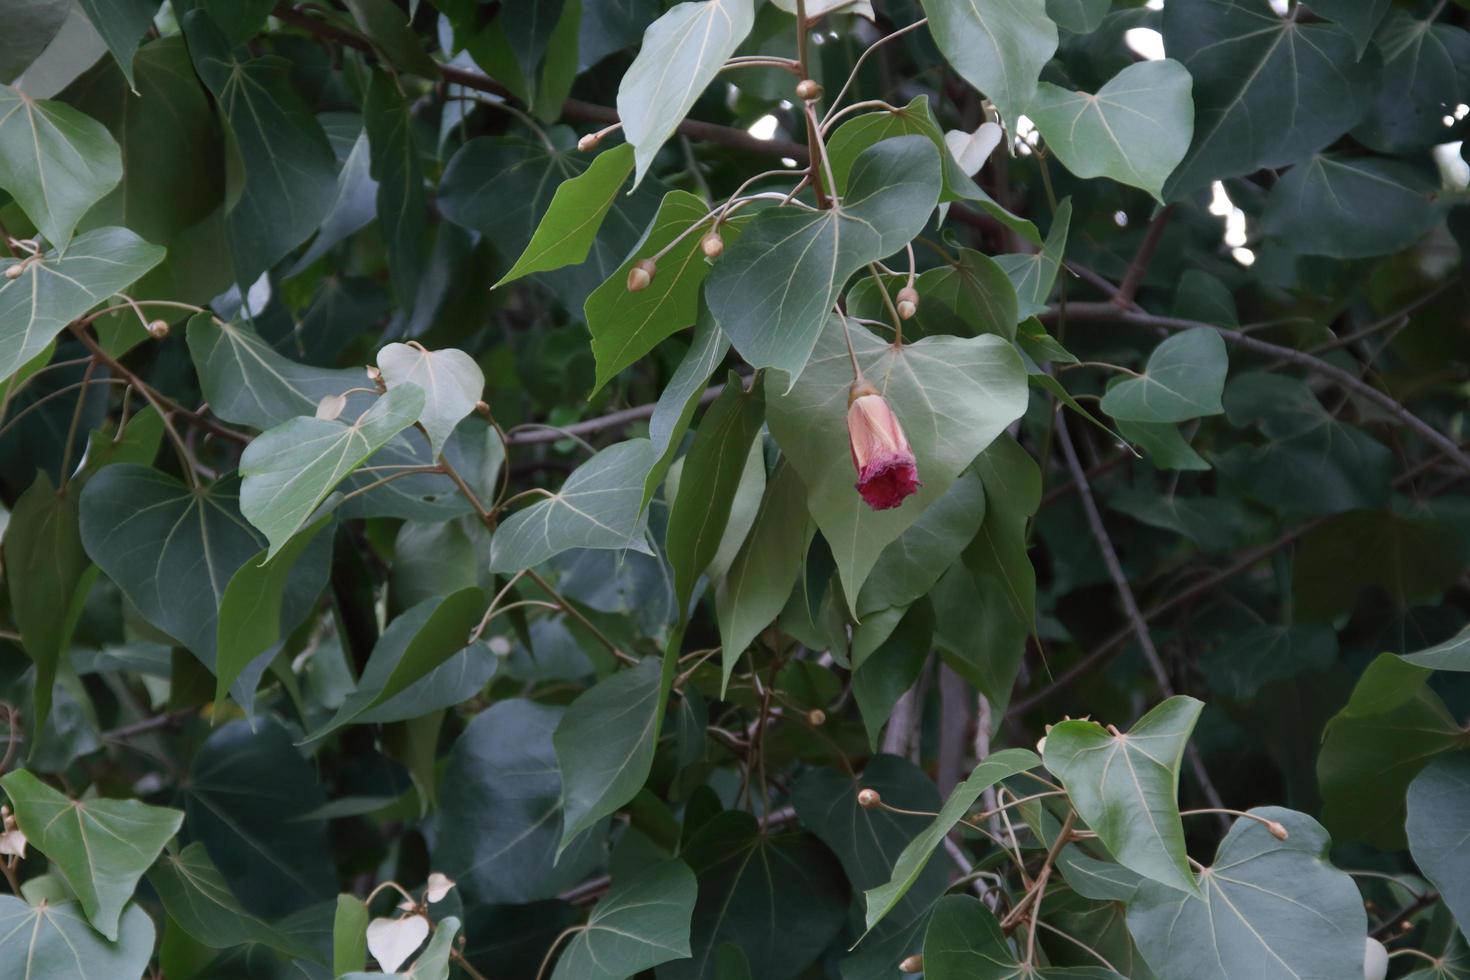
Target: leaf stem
857,65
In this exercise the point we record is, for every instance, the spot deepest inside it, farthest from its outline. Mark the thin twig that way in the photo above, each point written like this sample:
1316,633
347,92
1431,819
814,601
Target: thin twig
1133,277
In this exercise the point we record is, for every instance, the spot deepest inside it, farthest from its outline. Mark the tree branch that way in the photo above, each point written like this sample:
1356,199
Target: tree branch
1133,278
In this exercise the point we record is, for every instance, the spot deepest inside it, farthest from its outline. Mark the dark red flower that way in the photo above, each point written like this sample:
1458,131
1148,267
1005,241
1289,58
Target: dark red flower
886,468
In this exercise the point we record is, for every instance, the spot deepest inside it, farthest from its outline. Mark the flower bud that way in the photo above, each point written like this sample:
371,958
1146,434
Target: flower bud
641,275
15,271
712,245
483,407
589,142
374,375
1041,745
912,964
816,717
908,302
158,329
807,90
886,468
1276,830
869,798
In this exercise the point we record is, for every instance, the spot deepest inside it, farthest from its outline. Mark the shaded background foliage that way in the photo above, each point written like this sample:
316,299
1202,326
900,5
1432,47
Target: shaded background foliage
535,603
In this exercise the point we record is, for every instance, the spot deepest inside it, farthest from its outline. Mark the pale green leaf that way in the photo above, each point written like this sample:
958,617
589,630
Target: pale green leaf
1126,786
52,939
682,395
1452,654
289,470
641,922
1135,130
55,161
101,847
1035,273
450,380
1183,380
998,46
682,53
58,288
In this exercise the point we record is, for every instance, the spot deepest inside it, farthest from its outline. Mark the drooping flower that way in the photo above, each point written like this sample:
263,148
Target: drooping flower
886,468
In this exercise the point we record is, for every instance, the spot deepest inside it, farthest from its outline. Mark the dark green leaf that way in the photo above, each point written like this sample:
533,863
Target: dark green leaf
30,29
122,24
1351,207
1255,657
1437,826
1000,48
1408,559
1424,75
402,204
640,923
196,897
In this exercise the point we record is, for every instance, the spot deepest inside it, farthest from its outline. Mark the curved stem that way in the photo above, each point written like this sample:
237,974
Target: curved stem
857,65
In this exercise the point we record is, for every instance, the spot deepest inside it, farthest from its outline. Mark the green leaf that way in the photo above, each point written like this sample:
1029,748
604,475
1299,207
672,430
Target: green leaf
985,627
750,878
1183,380
1422,79
30,29
1126,786
101,847
248,383
1254,657
1000,48
1452,654
910,864
964,941
450,380
1350,207
569,226
976,290
1438,825
754,591
46,569
1034,274
289,470
196,896
1372,749
1244,59
57,289
412,646
52,939
708,482
349,935
173,550
889,651
238,20
1359,18
909,567
640,923
626,325
868,842
250,608
500,809
951,395
122,24
402,203
1135,130
599,506
1408,559
1078,16
249,800
289,170
773,290
604,745
1166,447
682,53
55,161
1276,910
384,24
681,396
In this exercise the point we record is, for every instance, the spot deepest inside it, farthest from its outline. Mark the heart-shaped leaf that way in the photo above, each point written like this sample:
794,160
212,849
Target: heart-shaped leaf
1183,380
1452,654
55,161
1438,825
971,150
392,941
1267,908
999,47
599,506
450,379
290,469
53,939
682,53
196,896
773,290
101,847
1035,273
1135,129
641,922
1350,207
951,395
1126,786
56,289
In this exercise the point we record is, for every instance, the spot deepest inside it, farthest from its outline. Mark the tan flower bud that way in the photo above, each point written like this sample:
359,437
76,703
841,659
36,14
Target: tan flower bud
158,329
869,798
807,90
912,964
816,717
641,275
908,302
1277,830
589,142
712,245
15,271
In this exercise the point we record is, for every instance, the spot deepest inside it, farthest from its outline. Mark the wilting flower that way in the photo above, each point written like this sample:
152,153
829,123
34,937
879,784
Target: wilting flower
885,464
